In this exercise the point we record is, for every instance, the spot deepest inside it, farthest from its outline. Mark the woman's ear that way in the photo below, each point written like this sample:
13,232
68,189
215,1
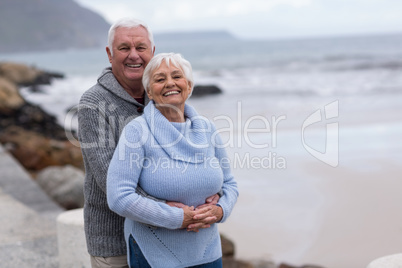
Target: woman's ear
149,94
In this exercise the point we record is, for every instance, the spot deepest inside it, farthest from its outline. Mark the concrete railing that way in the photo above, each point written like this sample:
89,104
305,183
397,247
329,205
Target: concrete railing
391,261
71,240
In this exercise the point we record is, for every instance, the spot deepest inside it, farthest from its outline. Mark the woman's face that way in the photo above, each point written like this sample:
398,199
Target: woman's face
169,86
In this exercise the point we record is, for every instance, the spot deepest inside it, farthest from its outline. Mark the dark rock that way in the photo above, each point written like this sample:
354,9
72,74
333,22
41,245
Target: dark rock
33,118
205,90
233,263
228,247
229,260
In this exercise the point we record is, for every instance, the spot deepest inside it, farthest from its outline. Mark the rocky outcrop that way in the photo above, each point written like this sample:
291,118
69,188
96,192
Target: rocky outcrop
10,99
32,135
15,111
24,75
35,151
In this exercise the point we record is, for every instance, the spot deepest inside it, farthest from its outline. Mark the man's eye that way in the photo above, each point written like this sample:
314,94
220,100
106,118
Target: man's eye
141,48
123,48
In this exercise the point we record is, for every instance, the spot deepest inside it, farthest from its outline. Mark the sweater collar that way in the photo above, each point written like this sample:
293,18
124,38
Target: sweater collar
108,81
190,144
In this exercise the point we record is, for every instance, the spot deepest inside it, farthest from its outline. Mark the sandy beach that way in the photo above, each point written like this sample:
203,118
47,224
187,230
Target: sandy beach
345,218
312,213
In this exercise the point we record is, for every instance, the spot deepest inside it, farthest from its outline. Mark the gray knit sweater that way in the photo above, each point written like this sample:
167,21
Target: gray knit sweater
104,110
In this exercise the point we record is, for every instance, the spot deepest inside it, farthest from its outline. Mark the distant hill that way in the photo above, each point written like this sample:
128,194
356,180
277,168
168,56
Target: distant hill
38,25
198,36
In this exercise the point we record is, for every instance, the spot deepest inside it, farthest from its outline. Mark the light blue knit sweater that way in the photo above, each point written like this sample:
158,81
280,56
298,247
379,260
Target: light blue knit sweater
172,161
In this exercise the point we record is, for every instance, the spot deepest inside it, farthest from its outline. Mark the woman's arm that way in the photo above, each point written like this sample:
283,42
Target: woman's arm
229,187
122,180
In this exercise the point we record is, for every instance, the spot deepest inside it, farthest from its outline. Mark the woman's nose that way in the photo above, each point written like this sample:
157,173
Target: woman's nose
169,82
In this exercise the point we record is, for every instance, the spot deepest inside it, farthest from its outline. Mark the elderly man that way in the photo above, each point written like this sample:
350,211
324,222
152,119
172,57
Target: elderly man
104,110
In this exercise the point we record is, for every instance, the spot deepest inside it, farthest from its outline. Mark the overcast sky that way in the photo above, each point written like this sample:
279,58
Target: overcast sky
259,18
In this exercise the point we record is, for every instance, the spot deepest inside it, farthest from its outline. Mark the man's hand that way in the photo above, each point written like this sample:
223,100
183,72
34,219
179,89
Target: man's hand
212,200
175,204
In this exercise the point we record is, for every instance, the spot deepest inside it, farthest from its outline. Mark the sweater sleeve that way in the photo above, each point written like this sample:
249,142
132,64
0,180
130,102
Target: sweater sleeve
229,187
122,180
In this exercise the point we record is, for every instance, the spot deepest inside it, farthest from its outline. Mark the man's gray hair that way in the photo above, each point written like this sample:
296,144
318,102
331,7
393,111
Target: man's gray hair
128,23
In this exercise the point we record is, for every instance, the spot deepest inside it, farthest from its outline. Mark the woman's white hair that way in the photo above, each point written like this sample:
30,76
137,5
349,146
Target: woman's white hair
128,23
170,58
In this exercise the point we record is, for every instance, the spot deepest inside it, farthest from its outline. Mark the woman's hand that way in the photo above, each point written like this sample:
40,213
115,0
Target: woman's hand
205,216
193,220
188,215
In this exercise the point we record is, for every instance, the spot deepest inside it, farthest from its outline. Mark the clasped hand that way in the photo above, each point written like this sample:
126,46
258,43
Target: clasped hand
202,216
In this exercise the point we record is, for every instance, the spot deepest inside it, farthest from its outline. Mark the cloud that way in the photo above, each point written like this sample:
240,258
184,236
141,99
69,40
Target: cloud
259,18
183,10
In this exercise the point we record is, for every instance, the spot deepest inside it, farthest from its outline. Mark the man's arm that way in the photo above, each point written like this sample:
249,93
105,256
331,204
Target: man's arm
96,139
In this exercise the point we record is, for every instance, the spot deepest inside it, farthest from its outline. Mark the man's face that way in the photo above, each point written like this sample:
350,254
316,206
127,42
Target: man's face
131,53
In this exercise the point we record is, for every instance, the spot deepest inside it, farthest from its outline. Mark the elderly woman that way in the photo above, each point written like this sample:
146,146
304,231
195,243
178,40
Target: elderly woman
173,154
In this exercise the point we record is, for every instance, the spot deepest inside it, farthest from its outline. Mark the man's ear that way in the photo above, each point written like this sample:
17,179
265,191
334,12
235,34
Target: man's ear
109,54
189,87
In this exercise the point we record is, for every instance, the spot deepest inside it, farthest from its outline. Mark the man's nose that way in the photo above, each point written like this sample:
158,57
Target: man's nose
133,54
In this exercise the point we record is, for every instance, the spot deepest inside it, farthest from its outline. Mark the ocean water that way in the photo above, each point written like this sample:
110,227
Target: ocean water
289,110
